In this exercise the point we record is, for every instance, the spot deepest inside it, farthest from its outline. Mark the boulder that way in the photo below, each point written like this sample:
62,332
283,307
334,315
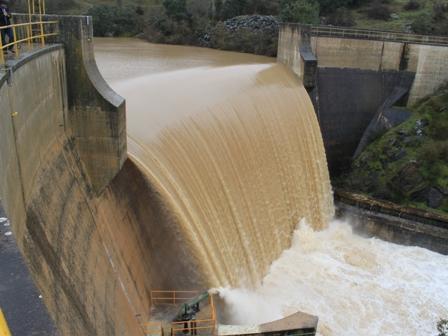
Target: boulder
434,198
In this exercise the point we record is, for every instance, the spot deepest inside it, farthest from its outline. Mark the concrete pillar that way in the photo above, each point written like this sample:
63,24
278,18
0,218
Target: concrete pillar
96,119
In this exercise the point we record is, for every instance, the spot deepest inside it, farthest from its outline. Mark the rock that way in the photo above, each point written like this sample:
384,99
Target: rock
408,180
399,155
434,198
395,16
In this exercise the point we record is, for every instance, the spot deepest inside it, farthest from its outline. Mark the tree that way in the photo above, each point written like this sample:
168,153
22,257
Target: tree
176,9
232,8
115,21
303,11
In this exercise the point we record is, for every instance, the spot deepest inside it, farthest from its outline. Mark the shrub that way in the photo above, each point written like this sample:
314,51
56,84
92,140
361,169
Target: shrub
438,127
379,11
439,10
412,5
432,152
176,9
442,328
341,17
303,11
422,24
232,8
115,21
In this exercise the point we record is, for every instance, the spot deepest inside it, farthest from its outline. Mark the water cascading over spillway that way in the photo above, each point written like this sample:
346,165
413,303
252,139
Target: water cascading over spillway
236,153
231,144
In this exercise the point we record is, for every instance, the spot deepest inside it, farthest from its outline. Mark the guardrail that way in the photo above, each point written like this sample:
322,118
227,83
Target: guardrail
172,297
371,34
205,326
27,34
377,35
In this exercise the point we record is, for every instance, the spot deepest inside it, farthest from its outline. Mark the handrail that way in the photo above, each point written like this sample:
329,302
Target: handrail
171,297
372,34
164,297
25,33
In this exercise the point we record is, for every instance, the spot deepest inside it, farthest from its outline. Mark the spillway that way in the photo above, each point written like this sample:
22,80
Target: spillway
231,145
236,154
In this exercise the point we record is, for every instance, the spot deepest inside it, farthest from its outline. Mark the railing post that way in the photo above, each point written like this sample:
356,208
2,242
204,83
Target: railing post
42,35
2,56
16,45
29,35
174,297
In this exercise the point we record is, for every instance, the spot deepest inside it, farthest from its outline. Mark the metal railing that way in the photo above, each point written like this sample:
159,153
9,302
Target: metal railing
27,34
368,34
205,326
171,297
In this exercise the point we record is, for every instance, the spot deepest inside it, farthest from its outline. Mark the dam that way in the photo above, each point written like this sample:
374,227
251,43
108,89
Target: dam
216,176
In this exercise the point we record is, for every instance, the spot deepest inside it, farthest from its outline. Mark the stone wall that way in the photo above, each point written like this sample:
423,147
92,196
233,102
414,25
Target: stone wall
394,223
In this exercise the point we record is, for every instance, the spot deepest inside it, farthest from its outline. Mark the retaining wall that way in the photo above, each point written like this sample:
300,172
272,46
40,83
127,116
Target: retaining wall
356,75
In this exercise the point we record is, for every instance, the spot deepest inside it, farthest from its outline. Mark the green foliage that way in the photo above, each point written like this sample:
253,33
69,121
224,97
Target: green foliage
409,160
115,21
232,8
303,11
422,24
176,9
442,328
412,5
379,11
341,17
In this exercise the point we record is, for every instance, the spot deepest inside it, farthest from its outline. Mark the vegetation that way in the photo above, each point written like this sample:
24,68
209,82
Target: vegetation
409,164
442,328
206,22
117,21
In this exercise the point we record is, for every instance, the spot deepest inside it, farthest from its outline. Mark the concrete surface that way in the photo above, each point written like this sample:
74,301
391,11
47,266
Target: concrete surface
51,201
394,223
20,301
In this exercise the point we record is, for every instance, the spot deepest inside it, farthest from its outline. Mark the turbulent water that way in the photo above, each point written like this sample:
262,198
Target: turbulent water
356,286
232,144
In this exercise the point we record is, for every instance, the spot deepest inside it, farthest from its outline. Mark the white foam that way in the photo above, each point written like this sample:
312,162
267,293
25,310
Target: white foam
356,286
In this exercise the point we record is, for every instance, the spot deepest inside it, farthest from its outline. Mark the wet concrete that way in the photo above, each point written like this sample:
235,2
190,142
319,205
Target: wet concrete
19,299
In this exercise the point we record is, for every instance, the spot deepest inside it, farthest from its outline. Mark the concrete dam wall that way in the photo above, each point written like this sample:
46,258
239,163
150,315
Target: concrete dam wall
84,218
352,73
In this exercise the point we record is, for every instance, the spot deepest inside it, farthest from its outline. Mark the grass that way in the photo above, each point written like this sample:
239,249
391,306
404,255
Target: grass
402,23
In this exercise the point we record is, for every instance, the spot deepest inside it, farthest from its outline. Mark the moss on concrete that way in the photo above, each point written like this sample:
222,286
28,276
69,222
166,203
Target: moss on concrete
409,164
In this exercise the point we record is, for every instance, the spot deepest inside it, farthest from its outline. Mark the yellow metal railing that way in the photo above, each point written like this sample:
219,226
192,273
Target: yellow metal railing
205,326
28,34
171,297
31,33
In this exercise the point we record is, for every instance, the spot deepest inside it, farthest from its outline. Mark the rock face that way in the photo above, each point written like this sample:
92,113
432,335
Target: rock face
252,22
409,163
